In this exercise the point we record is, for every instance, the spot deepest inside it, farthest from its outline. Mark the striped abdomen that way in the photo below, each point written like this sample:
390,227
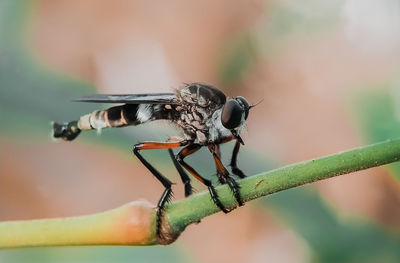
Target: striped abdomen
118,116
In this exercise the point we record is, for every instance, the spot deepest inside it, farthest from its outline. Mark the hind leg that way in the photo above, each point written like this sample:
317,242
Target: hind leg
165,197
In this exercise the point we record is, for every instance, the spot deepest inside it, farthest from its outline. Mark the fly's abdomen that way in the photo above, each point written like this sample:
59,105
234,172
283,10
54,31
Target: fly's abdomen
117,116
66,131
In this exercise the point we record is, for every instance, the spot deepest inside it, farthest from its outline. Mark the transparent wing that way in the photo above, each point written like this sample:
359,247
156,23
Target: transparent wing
155,98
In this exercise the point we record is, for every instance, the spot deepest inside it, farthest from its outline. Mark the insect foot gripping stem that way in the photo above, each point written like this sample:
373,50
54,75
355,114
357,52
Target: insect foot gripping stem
66,131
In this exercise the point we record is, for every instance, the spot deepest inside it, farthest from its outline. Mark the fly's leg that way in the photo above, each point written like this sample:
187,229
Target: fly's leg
235,169
184,176
218,152
188,150
166,196
222,172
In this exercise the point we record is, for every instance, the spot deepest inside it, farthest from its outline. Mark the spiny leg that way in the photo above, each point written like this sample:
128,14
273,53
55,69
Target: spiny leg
235,169
184,176
165,197
222,172
218,152
188,150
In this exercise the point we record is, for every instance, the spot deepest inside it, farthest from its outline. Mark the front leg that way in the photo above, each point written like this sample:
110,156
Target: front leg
224,174
218,152
235,169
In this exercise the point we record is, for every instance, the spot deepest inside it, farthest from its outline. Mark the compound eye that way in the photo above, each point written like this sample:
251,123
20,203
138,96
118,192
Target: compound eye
245,105
231,115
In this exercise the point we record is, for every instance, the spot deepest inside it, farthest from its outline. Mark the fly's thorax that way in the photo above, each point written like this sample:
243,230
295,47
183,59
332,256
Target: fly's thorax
194,124
191,118
201,94
204,125
200,108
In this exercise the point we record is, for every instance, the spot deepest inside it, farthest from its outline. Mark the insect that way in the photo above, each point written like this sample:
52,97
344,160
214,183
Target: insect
203,113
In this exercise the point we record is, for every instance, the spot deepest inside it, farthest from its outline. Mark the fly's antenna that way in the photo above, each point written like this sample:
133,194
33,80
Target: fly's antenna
251,106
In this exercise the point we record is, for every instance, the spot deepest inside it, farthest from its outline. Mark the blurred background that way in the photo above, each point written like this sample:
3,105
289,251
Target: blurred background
328,75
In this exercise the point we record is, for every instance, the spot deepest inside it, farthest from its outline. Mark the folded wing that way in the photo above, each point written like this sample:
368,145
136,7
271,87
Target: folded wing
154,98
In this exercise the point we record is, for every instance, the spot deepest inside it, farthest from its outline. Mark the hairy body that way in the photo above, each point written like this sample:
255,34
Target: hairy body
203,114
195,110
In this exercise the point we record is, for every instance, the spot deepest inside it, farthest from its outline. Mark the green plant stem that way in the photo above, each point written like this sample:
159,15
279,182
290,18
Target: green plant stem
134,224
182,213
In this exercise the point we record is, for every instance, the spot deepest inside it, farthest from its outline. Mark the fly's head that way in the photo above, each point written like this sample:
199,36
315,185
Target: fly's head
234,115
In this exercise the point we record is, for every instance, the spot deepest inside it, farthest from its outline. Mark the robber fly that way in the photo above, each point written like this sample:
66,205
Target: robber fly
203,113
